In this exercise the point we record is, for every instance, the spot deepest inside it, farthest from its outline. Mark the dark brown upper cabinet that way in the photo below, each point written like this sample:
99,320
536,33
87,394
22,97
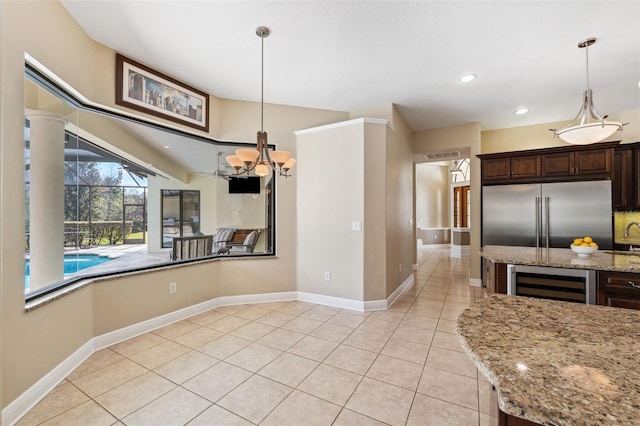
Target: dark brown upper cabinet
625,183
550,165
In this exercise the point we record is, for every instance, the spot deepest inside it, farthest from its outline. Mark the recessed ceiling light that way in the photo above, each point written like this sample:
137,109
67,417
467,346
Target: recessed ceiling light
521,111
467,78
167,146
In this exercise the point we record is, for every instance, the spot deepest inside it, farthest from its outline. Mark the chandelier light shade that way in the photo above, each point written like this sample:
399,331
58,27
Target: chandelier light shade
588,126
260,160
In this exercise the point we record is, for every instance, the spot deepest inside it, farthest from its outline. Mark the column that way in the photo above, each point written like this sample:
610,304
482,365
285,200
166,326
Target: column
46,199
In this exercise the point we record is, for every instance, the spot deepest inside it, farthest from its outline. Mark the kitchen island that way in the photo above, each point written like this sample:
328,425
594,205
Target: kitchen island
557,363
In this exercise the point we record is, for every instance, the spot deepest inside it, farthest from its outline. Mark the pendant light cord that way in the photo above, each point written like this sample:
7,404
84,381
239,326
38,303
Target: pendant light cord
586,48
262,87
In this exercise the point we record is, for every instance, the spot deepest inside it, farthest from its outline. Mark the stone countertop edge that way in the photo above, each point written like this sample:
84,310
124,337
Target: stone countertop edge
561,258
556,363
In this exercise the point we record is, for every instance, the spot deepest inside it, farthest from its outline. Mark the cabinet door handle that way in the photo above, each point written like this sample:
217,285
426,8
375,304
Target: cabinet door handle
632,284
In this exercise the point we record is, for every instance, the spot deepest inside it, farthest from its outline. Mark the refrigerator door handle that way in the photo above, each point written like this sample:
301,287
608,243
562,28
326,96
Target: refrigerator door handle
546,219
538,222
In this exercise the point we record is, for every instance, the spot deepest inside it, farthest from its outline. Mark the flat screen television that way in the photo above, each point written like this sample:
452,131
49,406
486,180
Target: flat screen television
244,185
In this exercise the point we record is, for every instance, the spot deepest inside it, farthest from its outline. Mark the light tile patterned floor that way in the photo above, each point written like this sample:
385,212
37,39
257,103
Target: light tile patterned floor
290,363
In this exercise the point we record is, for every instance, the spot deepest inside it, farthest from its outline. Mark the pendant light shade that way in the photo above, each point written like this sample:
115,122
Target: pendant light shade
260,160
588,126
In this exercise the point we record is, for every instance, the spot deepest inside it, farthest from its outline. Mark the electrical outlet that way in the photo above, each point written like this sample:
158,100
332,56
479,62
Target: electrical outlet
173,288
400,267
327,276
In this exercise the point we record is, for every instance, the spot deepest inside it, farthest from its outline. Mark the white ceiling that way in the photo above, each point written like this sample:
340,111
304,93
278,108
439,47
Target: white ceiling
348,55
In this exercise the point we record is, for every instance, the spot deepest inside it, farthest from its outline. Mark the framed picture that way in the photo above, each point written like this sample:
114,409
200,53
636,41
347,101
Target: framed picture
141,88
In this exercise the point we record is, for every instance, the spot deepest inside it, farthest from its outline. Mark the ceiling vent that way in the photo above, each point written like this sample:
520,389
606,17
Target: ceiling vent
442,155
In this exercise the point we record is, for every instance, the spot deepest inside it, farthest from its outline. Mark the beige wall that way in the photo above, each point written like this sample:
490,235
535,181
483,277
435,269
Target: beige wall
35,342
432,196
328,202
539,136
3,142
464,136
371,173
375,244
399,183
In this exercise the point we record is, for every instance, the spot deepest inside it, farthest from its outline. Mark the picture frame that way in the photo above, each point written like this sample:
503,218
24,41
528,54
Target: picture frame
144,89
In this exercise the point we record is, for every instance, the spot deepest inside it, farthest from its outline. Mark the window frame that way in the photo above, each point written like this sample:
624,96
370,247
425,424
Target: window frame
38,77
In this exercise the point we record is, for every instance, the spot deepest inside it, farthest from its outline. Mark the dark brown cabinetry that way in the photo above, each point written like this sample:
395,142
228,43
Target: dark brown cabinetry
500,418
622,192
593,162
548,165
507,169
626,177
495,276
619,289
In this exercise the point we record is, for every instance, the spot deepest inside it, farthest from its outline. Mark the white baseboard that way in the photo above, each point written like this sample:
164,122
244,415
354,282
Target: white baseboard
28,399
401,289
337,302
258,298
25,402
122,334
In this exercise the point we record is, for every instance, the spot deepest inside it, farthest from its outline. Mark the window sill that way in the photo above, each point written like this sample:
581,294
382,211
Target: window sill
82,283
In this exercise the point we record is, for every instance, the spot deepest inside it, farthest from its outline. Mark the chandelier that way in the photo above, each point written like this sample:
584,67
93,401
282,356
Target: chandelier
260,160
588,126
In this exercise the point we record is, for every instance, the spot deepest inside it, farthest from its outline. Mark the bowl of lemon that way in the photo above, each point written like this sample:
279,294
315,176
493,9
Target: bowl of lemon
584,247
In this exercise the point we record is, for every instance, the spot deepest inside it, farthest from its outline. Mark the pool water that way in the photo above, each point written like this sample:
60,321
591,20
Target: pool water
72,264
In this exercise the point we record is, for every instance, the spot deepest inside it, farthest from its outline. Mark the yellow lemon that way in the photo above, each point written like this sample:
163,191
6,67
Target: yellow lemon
593,244
577,241
587,240
585,245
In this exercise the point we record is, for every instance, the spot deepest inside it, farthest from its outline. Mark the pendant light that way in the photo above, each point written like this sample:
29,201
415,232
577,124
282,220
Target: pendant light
260,160
588,126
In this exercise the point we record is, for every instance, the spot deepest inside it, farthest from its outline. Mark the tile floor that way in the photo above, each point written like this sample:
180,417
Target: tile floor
290,363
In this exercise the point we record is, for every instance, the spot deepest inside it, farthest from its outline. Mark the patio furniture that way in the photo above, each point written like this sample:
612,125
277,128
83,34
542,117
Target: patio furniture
223,237
191,247
248,244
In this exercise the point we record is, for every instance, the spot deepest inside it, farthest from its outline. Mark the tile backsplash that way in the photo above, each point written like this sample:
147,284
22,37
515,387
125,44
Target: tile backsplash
621,220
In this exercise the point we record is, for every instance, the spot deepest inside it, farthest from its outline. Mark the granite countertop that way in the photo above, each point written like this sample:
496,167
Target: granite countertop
557,363
602,260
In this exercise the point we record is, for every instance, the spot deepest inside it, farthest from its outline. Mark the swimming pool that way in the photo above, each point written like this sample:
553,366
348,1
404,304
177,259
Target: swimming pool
72,264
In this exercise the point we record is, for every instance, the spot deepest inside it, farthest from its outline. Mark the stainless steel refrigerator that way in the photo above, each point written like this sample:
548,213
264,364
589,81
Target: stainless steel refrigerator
547,214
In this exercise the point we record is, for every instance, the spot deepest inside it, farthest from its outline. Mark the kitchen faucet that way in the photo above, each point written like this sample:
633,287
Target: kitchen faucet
626,230
626,233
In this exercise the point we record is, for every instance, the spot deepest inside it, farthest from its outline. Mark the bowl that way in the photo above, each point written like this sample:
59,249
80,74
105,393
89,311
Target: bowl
584,251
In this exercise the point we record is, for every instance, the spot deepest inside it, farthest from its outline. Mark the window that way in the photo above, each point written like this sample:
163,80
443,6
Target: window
180,215
93,207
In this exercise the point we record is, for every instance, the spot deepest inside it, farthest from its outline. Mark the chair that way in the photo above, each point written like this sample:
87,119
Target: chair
223,237
248,244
